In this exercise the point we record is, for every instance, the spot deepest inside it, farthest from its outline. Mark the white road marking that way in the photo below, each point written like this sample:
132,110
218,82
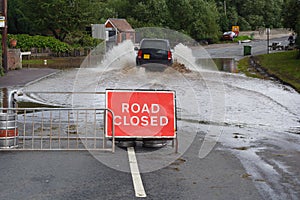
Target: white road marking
135,173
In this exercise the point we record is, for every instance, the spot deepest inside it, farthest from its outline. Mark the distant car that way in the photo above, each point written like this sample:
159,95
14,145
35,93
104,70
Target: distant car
154,51
230,35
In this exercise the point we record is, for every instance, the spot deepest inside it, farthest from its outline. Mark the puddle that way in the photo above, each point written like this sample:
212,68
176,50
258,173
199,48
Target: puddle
223,64
57,63
62,63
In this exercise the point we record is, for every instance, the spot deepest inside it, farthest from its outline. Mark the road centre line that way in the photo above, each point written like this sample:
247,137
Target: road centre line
135,174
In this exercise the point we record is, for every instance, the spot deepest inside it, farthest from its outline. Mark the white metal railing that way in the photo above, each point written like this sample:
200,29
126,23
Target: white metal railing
60,129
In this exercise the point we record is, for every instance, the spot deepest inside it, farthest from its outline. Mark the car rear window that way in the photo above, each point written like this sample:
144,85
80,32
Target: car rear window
154,44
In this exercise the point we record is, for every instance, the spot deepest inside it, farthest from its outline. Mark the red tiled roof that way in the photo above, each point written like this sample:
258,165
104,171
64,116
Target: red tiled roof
120,24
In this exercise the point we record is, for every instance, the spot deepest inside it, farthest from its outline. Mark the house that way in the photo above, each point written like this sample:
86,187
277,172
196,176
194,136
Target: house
118,30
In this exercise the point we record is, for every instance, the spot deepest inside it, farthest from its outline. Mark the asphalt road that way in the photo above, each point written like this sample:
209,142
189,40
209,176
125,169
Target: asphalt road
80,175
235,50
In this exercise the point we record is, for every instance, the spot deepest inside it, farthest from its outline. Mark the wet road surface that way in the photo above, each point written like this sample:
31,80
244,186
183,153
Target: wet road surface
238,139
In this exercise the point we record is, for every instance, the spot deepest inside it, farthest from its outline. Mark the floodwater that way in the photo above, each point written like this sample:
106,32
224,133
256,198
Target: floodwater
58,63
249,117
222,64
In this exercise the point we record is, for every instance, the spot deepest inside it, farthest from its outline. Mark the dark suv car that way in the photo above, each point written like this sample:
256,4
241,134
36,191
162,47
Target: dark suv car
154,51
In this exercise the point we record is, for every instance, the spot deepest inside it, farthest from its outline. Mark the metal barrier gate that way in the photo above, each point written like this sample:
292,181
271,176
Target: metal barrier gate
55,129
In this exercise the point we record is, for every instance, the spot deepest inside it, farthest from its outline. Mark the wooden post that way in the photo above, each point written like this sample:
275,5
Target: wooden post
268,39
4,37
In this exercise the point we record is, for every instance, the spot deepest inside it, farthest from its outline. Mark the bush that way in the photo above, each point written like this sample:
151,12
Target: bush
79,39
26,42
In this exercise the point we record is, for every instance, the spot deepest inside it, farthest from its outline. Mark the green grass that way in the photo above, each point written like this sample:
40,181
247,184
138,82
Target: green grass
36,61
283,65
236,39
244,66
242,37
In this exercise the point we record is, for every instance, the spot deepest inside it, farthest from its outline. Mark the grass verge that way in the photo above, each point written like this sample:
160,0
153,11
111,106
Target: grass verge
54,62
36,61
242,37
283,65
245,67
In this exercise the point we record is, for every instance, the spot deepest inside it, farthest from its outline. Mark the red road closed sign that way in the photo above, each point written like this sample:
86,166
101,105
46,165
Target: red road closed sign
141,114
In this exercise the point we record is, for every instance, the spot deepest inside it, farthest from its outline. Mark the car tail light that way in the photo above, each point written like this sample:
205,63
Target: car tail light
169,55
140,53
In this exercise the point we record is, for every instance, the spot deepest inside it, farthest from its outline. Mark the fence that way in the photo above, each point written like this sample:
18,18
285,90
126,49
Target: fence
56,129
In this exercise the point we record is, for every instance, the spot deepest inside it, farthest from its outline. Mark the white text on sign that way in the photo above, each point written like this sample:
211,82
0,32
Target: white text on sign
144,115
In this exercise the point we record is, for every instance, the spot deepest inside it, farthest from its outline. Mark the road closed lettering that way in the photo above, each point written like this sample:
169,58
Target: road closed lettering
141,113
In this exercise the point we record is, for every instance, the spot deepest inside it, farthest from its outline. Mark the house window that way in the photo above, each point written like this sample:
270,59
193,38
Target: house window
111,33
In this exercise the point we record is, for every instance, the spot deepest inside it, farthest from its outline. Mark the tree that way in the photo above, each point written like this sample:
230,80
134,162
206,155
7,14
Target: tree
249,14
291,13
203,24
180,14
198,18
291,18
18,22
261,13
60,17
151,13
228,15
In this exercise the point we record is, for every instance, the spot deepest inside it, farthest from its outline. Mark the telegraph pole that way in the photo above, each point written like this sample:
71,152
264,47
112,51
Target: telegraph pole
268,39
4,36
